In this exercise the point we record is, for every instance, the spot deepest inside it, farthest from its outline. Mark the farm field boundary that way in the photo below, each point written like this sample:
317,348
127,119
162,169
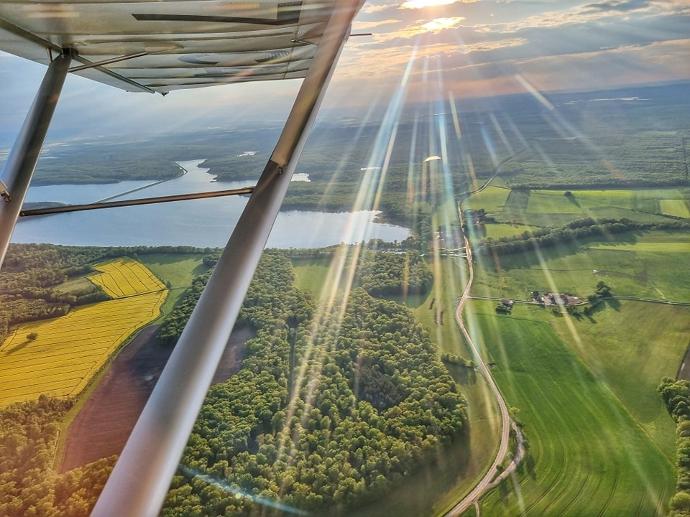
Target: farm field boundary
60,356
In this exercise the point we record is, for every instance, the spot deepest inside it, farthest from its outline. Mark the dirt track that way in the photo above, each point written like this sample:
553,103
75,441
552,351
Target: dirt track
102,426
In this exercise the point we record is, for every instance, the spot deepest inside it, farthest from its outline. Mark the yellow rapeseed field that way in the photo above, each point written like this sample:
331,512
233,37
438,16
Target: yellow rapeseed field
67,351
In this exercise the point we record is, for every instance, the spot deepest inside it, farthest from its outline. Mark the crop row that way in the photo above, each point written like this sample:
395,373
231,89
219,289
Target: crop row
59,356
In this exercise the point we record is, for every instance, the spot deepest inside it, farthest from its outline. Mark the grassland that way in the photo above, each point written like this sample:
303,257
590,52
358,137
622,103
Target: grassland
647,265
675,207
543,208
60,356
176,270
311,274
585,387
490,199
498,230
587,455
629,347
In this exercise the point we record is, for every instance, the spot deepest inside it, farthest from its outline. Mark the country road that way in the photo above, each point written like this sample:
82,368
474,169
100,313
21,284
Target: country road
486,482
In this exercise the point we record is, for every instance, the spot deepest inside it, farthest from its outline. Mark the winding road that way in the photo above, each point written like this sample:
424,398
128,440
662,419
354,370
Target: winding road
486,483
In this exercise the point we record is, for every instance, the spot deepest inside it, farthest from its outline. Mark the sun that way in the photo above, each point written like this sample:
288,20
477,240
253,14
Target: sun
439,24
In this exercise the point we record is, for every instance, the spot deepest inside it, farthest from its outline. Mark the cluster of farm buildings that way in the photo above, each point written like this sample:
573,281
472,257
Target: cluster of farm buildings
560,299
543,299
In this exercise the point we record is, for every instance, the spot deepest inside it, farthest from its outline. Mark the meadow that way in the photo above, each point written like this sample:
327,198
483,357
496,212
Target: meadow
59,357
584,385
544,208
649,265
587,455
176,270
629,346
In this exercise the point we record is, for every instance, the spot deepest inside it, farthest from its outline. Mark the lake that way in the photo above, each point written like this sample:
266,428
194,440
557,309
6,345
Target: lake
202,223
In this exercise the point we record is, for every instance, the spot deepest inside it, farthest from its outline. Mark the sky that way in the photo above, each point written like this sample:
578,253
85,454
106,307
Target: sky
472,48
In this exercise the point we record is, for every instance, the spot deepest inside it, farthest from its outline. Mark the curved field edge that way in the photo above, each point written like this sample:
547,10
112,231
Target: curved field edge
90,334
587,455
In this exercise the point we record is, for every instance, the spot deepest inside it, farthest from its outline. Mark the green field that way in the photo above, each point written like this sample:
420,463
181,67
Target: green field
630,346
310,274
644,265
76,284
587,456
601,441
649,247
498,230
175,270
490,199
675,207
542,208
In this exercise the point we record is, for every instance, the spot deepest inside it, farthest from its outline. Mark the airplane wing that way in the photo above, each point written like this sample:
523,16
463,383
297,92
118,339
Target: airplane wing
167,45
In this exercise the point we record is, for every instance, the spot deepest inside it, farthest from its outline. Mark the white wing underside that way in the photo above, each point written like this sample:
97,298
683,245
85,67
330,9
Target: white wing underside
178,44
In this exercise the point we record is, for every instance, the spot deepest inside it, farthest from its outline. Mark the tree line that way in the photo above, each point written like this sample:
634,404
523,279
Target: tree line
676,396
572,233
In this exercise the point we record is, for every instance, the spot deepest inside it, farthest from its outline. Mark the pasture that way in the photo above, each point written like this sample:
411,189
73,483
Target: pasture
490,199
675,207
59,357
542,208
587,456
629,347
177,270
311,274
647,265
498,230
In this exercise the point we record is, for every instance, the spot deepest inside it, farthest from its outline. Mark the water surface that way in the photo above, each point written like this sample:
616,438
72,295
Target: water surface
203,223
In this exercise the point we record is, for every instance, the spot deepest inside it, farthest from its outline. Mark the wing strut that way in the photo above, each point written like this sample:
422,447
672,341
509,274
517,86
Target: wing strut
21,162
61,209
141,477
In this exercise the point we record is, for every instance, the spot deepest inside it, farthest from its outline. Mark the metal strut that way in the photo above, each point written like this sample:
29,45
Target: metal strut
141,477
21,162
134,202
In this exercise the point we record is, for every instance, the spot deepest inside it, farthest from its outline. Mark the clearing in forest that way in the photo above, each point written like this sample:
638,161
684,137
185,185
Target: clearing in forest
58,357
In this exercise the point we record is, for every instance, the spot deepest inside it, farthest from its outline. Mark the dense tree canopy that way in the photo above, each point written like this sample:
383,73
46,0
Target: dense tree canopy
385,273
366,403
676,395
30,487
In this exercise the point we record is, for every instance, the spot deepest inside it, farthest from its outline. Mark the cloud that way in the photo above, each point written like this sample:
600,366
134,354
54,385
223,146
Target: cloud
617,5
441,24
361,26
487,46
432,27
376,8
421,4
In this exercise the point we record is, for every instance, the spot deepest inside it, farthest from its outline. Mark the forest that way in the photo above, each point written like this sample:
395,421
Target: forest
386,273
30,486
368,404
30,275
676,396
